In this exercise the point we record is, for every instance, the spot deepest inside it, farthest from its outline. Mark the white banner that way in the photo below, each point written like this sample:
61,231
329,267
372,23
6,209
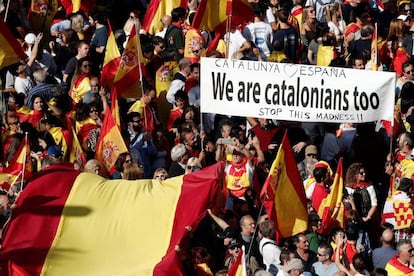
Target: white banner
295,92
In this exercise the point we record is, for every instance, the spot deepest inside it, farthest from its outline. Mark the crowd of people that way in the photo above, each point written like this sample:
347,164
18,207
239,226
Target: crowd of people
56,94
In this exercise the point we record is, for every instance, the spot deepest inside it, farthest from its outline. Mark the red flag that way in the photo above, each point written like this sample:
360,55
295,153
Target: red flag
15,270
156,10
288,212
110,143
332,210
66,223
128,77
10,50
111,61
211,16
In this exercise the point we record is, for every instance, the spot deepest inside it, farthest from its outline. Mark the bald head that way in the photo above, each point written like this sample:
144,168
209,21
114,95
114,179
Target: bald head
166,20
387,236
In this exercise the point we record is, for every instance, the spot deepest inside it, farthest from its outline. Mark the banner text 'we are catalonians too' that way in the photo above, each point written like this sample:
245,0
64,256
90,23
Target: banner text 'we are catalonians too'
295,92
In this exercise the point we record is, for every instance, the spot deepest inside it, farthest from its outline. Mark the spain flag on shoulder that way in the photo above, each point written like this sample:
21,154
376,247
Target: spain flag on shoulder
84,224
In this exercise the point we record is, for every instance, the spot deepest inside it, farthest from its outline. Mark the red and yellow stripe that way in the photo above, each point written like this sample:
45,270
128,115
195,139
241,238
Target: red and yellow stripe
288,212
87,225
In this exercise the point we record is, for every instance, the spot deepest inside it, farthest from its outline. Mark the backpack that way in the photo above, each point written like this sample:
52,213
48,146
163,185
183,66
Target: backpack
363,201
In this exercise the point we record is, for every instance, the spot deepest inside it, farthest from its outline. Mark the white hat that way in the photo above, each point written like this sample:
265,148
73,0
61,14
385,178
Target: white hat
30,38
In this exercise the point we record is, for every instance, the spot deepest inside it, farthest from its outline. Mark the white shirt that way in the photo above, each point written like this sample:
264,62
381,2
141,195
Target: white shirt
270,252
236,40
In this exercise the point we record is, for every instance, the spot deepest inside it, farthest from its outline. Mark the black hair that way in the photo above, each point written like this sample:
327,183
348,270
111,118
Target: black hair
177,14
320,174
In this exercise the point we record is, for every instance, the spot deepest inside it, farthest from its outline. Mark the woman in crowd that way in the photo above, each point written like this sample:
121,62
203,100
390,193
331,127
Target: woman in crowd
120,164
365,197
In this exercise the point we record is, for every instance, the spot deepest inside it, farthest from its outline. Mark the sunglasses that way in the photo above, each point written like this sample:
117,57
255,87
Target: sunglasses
93,110
160,176
362,173
196,51
87,66
14,123
409,72
194,168
321,255
311,155
162,47
127,161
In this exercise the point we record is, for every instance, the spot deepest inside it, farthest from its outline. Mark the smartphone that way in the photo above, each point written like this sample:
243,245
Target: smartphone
226,141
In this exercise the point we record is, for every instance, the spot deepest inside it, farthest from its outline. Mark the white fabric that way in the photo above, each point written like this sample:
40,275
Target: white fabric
22,85
261,33
174,87
270,252
236,40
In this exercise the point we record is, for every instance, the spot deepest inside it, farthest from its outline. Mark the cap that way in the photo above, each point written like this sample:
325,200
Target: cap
294,263
234,244
54,151
229,232
311,149
402,2
30,38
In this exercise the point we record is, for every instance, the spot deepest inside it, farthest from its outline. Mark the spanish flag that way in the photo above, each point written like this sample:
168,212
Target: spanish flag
110,144
332,210
238,267
395,268
76,152
84,224
10,51
212,15
128,77
284,195
115,107
156,10
111,60
20,166
72,6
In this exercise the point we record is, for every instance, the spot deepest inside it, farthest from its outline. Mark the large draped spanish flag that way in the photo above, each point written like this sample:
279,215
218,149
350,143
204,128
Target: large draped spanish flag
84,224
110,144
10,50
212,15
156,10
284,195
111,60
332,210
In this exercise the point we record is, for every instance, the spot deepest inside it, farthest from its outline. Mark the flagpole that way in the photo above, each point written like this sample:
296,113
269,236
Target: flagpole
7,11
24,160
256,228
139,56
140,71
229,12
